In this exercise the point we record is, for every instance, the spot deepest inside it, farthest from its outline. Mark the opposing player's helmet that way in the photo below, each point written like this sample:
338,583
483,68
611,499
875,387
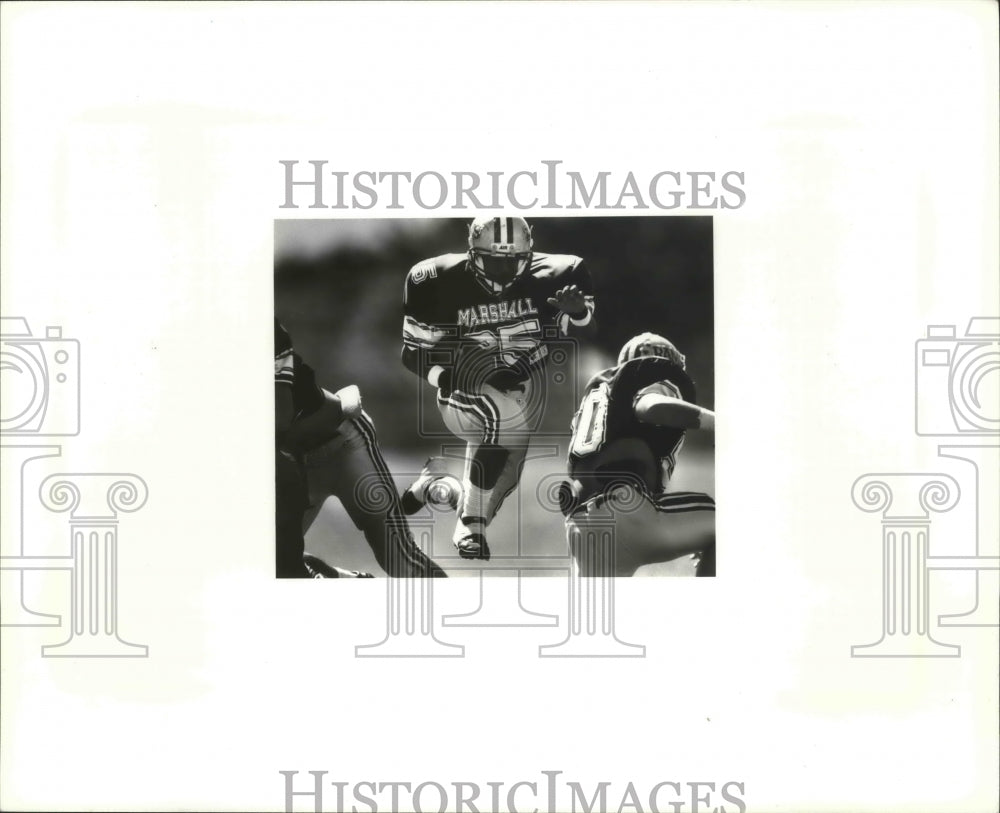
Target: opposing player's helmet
499,249
650,344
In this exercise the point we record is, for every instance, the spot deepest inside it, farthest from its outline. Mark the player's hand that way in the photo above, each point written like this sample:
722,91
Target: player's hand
569,300
350,401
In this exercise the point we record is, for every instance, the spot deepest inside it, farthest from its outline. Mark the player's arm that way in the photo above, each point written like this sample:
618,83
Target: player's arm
661,404
419,362
309,431
421,336
575,301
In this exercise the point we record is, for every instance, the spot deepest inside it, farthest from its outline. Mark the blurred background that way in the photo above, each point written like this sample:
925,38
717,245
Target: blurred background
338,290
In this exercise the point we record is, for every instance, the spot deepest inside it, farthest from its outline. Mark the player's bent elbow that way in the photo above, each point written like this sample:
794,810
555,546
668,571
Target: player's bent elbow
663,411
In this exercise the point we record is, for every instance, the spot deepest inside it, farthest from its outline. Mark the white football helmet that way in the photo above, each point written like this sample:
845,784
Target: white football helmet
499,249
650,344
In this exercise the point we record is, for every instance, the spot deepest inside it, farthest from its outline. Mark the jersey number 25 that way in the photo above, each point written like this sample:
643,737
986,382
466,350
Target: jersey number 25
513,341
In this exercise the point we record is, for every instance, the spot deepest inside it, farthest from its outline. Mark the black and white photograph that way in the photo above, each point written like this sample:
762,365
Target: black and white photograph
526,380
635,375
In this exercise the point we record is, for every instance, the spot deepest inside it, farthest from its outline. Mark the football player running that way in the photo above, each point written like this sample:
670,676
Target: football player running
477,327
626,436
334,440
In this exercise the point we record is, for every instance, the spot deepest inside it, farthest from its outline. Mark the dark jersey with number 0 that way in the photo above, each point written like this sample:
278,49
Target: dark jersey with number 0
610,443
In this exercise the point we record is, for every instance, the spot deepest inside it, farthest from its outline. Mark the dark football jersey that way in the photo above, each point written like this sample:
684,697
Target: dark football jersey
291,370
608,438
482,334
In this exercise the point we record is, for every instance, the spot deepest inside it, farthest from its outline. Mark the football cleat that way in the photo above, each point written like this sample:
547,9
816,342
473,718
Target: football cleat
318,569
650,344
433,485
499,250
473,546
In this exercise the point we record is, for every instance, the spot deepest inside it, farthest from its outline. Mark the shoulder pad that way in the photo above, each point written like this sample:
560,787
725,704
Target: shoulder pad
421,272
554,263
434,267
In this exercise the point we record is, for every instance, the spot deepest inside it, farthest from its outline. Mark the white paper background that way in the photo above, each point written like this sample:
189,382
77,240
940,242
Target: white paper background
140,185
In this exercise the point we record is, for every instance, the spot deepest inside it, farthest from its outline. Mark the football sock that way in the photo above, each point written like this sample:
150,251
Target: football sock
487,464
507,481
414,498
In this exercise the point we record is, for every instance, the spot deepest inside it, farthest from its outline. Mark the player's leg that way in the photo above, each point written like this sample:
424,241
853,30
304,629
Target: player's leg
643,531
322,474
365,487
420,491
514,436
484,465
684,524
597,538
474,419
493,423
507,481
320,569
321,466
290,502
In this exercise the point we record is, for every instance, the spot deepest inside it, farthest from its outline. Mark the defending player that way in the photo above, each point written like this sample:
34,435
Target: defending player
476,327
335,441
626,436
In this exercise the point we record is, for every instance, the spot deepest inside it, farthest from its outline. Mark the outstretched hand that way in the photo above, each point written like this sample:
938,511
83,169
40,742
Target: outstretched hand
569,300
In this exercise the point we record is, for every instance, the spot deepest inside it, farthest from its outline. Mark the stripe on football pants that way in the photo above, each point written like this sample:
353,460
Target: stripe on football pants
477,410
420,565
680,501
480,406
